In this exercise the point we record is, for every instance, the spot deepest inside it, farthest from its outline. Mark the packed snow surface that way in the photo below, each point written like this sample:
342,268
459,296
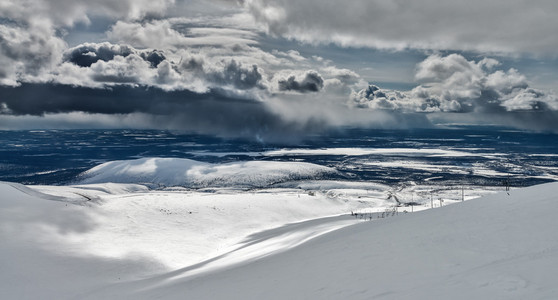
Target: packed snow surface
191,173
123,241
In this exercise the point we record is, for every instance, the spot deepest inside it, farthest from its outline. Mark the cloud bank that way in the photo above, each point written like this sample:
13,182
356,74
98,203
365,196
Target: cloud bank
485,26
217,73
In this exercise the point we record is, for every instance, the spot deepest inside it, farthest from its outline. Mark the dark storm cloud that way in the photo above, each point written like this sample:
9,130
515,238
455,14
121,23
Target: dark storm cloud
213,112
111,64
87,54
236,74
38,99
311,82
154,57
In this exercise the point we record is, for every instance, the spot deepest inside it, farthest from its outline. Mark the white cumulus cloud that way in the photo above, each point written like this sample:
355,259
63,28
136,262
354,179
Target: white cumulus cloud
454,84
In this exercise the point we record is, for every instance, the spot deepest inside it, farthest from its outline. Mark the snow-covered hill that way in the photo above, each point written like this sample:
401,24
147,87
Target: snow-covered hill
123,241
61,241
191,173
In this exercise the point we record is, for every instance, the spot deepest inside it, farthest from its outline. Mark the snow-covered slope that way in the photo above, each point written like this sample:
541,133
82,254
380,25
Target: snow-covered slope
191,173
497,247
278,244
94,236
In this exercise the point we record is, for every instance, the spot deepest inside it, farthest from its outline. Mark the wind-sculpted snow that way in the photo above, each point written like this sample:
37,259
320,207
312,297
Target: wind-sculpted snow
194,174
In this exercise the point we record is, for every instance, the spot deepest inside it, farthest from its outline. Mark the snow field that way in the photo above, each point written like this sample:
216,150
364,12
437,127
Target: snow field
498,247
97,235
105,240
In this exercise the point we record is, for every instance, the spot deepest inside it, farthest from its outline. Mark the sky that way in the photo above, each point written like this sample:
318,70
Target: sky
270,69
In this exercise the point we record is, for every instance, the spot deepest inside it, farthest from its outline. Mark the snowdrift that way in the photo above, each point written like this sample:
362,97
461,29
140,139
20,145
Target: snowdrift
195,174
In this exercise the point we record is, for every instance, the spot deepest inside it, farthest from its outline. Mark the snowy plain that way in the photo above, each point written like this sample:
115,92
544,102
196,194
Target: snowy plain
299,240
